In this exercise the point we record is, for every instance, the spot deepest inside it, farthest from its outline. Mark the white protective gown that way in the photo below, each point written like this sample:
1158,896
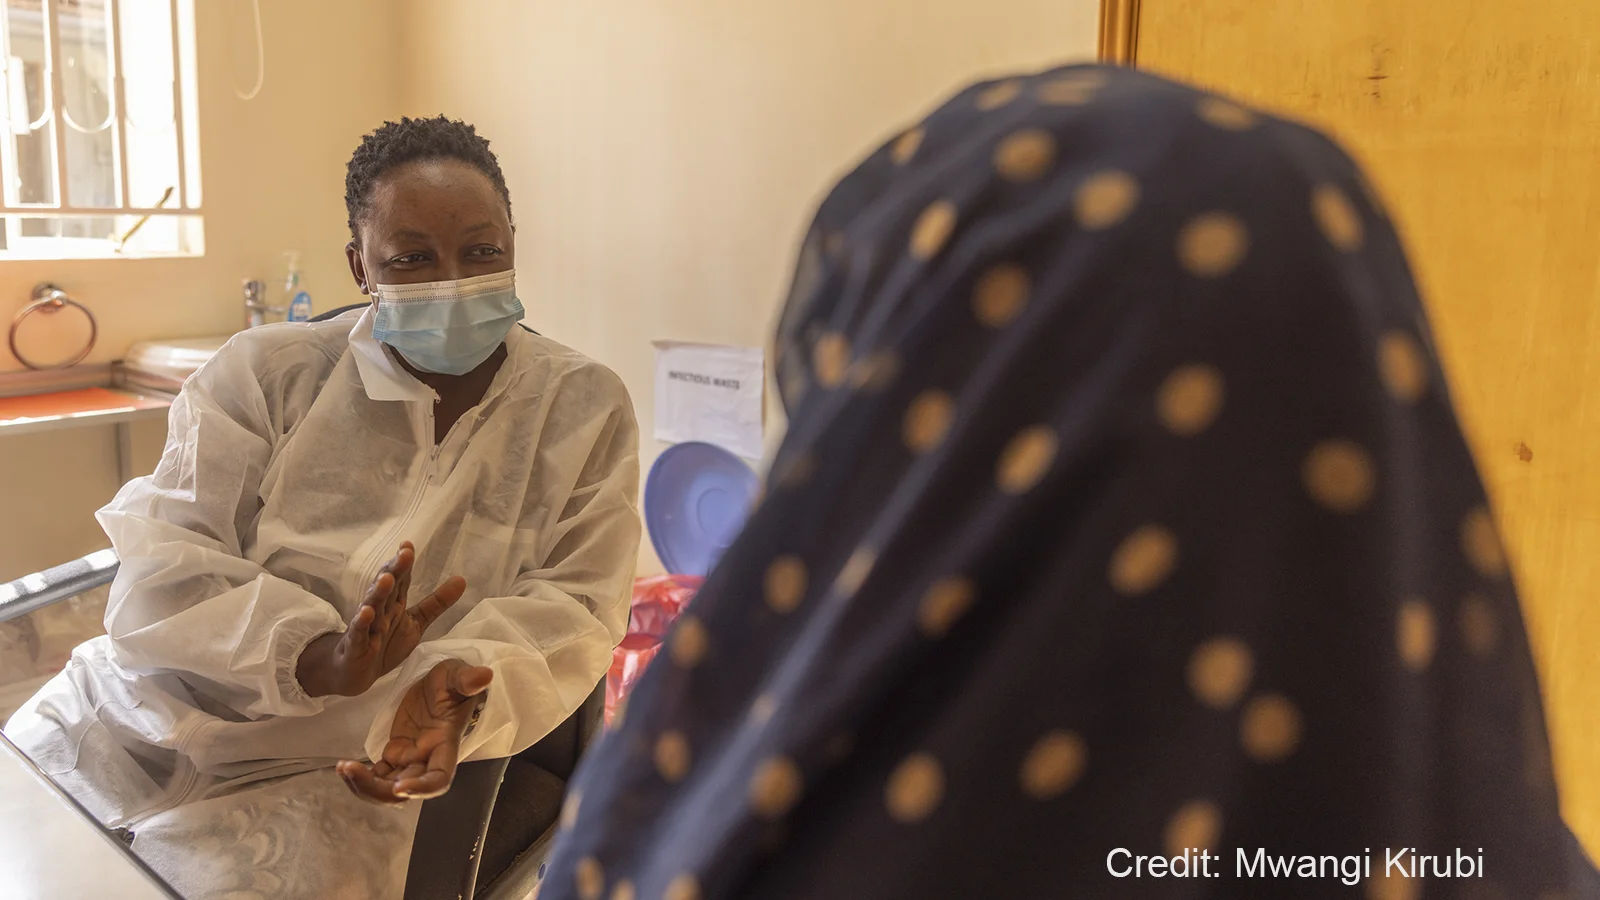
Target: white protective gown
297,460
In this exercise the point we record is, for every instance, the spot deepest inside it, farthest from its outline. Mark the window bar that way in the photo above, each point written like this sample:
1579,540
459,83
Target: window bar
7,140
177,103
92,211
119,97
52,59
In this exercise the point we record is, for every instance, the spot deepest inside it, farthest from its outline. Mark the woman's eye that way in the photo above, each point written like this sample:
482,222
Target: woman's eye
484,251
410,259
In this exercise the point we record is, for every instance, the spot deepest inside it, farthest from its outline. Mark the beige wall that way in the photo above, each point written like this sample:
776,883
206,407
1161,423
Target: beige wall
273,172
663,158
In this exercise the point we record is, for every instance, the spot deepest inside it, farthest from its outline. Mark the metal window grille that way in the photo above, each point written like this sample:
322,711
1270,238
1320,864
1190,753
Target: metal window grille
45,179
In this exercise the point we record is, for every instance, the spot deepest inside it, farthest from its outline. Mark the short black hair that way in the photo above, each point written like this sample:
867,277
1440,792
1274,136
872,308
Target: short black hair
394,144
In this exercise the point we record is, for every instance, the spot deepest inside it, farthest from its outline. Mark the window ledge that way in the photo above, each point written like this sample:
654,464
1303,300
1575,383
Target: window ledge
64,254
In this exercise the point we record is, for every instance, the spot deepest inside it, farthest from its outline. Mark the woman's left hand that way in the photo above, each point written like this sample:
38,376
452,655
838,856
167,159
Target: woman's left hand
425,740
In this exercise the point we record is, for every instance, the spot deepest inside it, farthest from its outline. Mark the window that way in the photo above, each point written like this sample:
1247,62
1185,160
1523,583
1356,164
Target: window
100,151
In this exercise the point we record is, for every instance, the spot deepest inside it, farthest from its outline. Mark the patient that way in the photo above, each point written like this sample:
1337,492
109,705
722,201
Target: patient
400,538
1122,506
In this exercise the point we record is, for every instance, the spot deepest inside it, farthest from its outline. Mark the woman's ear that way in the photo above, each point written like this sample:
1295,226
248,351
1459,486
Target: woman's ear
358,269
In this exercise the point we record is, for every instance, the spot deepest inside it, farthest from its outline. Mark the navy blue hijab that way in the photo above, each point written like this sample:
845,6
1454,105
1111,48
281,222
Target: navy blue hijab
1123,505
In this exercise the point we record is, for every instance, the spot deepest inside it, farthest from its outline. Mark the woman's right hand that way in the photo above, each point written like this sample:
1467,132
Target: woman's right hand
382,632
424,746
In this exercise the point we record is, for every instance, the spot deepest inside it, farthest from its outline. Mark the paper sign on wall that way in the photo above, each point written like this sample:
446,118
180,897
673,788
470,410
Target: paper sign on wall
711,393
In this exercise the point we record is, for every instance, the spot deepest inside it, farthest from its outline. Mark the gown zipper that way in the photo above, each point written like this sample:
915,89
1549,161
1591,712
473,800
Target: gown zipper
375,560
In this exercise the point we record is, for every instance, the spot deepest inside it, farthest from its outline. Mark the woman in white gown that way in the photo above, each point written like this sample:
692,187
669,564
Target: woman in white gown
269,619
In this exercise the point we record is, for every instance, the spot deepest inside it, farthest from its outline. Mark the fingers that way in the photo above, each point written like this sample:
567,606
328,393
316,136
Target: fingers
378,594
385,785
424,787
401,568
400,562
376,611
436,780
434,605
398,571
398,568
368,786
394,753
470,681
389,601
360,635
405,561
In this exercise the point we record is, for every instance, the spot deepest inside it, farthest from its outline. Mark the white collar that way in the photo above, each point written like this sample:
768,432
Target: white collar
382,377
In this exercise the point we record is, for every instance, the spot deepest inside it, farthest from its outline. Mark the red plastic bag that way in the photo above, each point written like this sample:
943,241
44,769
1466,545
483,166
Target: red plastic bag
657,603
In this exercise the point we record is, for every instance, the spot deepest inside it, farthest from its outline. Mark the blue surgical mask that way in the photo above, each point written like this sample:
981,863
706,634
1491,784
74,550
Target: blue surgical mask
448,327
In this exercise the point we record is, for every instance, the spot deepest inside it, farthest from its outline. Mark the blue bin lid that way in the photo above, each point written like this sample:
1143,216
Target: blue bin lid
696,501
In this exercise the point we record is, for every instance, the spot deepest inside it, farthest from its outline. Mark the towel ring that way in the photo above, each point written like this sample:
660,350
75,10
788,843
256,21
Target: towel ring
48,298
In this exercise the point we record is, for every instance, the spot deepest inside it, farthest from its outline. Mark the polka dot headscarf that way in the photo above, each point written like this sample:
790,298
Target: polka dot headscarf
1122,505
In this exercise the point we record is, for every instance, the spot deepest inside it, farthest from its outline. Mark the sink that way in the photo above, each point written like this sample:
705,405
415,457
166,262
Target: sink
164,365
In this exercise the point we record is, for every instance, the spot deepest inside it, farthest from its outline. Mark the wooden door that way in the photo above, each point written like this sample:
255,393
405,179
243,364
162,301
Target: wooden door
1479,120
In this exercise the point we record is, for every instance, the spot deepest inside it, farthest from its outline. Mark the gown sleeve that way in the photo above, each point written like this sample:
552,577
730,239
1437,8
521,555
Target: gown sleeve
186,601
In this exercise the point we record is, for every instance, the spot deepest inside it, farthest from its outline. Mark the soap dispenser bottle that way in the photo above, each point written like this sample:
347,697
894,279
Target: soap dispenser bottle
295,296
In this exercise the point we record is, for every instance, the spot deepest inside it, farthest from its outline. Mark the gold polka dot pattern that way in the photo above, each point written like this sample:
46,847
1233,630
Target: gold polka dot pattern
945,602
589,878
1143,560
1220,671
1026,459
1190,399
927,420
1000,295
1196,826
1339,475
1480,540
775,787
830,359
933,229
672,756
1416,634
1105,199
1213,244
1026,156
1338,219
1053,765
683,887
999,95
906,146
1403,367
1227,116
786,584
915,789
1270,728
689,642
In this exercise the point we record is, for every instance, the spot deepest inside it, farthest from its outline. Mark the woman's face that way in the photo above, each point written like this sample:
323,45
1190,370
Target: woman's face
431,220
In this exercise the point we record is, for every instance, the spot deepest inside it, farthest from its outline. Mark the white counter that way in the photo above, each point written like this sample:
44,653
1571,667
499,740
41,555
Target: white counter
50,849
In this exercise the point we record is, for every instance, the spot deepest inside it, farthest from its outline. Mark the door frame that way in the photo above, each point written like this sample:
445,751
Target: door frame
1119,31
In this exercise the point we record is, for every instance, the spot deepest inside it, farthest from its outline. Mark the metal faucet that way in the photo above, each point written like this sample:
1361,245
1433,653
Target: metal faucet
255,311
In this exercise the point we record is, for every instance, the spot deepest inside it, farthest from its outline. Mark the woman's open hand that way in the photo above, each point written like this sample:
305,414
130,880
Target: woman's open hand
425,740
382,632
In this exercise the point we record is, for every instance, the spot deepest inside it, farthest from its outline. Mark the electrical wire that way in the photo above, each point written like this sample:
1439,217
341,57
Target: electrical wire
261,59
